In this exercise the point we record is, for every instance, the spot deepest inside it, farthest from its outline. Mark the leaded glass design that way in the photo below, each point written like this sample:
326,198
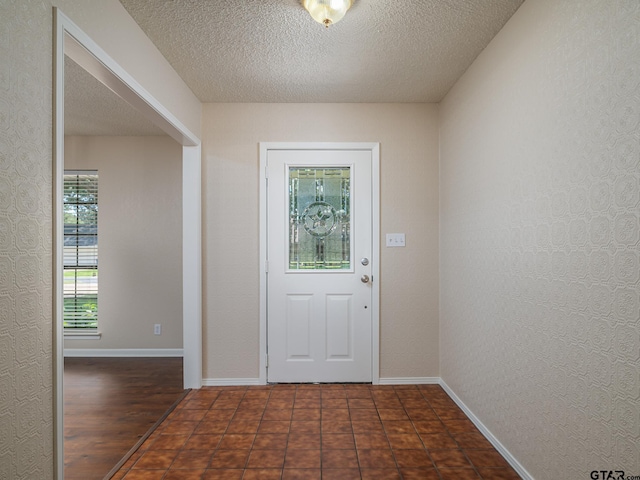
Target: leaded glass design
319,218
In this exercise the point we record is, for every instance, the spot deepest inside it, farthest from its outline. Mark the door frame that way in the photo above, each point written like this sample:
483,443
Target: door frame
69,39
372,147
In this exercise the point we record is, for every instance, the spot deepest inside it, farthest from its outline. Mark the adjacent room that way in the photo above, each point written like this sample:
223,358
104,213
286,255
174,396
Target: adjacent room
122,275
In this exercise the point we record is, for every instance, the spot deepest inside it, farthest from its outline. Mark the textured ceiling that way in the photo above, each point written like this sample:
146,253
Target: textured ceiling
90,108
273,51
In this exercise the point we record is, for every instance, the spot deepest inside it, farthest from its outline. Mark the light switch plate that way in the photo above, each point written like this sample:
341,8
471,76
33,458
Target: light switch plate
395,240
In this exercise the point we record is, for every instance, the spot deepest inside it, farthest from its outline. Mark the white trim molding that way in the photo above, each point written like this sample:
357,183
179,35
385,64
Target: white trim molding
487,433
82,336
192,265
123,352
231,382
410,381
91,57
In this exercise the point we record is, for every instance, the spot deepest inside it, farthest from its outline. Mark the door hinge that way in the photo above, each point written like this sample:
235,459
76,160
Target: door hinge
266,266
266,361
266,172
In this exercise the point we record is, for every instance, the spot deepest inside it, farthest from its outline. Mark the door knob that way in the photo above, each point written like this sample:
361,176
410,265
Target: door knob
364,279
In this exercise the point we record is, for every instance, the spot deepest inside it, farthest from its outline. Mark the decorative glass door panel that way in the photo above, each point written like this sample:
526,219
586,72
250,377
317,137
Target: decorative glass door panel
319,218
319,225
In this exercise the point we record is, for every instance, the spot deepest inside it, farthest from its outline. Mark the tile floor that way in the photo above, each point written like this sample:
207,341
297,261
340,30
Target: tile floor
311,432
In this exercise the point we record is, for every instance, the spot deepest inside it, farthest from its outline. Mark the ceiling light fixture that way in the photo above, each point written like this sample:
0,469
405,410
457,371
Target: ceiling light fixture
327,12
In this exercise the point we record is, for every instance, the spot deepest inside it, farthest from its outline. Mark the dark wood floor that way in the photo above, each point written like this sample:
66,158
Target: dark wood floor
109,404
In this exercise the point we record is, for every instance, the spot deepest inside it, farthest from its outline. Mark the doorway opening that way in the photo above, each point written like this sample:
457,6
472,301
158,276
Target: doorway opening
71,41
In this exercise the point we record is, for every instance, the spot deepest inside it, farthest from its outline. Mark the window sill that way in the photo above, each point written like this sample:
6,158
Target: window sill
82,335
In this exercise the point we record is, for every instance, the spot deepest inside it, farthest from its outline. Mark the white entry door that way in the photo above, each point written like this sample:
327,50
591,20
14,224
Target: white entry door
319,252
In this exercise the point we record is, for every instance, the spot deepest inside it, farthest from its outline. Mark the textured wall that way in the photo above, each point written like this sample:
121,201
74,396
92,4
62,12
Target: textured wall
140,238
540,218
409,196
25,241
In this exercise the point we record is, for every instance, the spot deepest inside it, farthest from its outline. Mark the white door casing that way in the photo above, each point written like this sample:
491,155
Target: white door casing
319,323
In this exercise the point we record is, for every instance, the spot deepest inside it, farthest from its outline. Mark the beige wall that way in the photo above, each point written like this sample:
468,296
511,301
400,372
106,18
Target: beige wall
409,195
140,238
540,184
26,380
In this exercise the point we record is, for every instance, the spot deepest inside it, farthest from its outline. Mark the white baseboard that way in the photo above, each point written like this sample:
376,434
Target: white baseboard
123,352
230,382
487,433
222,382
409,380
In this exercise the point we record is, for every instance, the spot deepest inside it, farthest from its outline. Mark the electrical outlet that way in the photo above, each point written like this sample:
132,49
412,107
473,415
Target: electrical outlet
395,240
157,329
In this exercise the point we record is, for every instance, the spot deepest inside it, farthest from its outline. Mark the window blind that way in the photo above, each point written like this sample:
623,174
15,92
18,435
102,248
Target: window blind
80,249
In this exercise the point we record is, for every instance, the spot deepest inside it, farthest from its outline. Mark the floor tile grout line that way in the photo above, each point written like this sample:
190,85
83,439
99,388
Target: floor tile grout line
422,441
179,449
387,435
221,436
150,433
454,439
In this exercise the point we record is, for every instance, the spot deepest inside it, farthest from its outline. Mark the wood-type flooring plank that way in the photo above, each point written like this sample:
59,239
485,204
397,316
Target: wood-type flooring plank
109,404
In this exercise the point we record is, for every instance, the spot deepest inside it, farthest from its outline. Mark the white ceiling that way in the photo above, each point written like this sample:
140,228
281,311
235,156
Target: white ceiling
273,51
